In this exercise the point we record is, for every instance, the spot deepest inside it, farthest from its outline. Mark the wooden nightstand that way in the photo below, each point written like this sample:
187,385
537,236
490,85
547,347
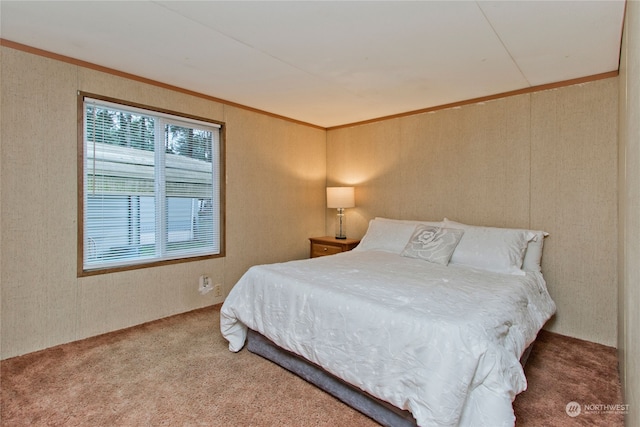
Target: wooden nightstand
329,245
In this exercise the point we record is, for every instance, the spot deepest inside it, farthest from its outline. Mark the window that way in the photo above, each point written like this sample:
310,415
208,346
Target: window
151,187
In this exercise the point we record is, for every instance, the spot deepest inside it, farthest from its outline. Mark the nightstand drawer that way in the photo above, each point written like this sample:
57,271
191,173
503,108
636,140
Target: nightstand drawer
318,249
327,245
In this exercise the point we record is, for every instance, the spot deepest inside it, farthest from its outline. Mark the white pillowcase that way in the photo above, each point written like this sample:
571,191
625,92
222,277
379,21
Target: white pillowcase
389,235
500,250
533,254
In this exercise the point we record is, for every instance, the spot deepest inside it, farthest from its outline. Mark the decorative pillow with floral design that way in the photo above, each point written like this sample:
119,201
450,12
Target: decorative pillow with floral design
433,244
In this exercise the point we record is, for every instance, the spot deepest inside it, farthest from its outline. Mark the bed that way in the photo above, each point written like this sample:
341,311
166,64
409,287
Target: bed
427,321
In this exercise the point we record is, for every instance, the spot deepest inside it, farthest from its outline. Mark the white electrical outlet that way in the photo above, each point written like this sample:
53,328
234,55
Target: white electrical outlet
204,281
204,285
217,290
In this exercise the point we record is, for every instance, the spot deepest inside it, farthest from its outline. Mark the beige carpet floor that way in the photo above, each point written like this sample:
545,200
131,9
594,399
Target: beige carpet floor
178,372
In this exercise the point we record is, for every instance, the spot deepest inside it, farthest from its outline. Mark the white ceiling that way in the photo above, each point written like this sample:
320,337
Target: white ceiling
330,63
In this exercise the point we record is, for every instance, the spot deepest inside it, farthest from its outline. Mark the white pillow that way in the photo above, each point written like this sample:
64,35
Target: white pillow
433,244
388,235
500,250
533,254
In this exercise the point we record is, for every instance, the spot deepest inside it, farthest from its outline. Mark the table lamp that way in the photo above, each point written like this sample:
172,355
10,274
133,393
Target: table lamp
340,198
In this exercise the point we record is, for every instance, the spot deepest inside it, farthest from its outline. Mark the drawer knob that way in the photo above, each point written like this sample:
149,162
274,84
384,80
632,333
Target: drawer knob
324,249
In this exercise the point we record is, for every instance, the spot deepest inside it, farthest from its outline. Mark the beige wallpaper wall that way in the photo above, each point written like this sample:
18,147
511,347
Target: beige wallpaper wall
545,160
629,208
275,198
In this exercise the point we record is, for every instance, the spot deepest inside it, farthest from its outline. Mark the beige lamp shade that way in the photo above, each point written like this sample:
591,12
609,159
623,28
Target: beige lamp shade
340,197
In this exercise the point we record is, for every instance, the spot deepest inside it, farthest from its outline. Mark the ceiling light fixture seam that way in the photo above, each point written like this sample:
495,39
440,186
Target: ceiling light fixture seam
506,49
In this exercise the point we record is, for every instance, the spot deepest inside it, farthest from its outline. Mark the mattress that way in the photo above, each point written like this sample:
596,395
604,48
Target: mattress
442,342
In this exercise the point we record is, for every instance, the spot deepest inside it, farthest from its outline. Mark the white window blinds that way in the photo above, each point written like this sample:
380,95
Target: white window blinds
151,186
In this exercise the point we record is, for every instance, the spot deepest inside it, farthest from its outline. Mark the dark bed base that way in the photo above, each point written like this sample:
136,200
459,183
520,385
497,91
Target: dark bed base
379,410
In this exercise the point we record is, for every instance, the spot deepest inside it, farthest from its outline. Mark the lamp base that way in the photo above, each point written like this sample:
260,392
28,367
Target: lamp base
340,225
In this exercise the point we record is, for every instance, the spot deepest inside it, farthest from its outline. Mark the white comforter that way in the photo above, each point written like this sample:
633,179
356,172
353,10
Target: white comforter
442,342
